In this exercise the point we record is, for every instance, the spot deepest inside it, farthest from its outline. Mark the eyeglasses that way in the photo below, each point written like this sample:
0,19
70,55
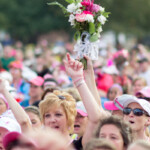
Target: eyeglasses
136,111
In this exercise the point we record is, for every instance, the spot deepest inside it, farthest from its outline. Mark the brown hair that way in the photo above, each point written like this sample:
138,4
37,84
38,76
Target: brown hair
34,110
99,143
123,126
57,99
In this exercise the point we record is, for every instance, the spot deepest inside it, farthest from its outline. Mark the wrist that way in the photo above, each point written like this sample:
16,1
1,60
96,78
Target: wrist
79,82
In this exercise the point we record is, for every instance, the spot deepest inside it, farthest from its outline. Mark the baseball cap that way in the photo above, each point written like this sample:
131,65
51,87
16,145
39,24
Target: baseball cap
81,109
109,105
38,81
144,91
16,64
124,100
9,124
13,136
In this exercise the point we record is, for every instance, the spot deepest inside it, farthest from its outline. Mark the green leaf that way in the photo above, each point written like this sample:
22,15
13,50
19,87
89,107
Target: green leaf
94,38
60,5
106,14
91,28
77,35
70,1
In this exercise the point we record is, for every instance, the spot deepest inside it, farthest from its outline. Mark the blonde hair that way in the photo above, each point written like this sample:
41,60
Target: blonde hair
57,99
142,143
96,143
139,79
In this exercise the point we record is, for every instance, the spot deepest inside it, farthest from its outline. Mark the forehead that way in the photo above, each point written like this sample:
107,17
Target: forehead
109,128
134,105
56,108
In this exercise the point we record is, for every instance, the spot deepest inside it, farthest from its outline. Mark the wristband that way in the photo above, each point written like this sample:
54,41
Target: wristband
80,82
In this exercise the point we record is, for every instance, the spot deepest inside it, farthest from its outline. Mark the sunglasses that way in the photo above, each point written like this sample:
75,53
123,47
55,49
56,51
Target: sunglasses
136,111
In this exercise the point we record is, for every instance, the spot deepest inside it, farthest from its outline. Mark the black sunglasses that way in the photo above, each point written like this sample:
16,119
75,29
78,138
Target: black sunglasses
136,111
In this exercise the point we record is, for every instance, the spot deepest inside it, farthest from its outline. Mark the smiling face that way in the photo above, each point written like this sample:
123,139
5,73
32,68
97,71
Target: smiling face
138,123
80,124
56,119
112,133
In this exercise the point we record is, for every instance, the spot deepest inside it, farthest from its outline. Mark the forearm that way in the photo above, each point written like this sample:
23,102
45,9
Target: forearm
18,111
90,81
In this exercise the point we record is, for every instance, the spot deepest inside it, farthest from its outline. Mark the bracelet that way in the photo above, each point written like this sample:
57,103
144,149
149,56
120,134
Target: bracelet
80,82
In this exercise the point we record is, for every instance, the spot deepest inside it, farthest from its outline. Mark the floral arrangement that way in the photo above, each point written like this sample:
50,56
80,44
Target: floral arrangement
87,18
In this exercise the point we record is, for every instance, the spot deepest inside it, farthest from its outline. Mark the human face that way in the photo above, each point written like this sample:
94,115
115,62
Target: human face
16,73
35,91
113,93
138,85
35,120
112,133
56,119
137,123
3,106
3,131
80,124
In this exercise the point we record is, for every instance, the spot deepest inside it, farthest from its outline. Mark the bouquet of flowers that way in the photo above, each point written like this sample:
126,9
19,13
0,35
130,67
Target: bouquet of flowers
87,18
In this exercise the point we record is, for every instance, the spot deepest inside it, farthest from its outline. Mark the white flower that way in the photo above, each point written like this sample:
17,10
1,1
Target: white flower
102,19
89,18
102,9
100,29
72,23
71,18
79,5
71,8
78,11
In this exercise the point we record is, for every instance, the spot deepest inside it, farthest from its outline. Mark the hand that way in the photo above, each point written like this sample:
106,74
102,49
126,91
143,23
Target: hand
89,66
73,67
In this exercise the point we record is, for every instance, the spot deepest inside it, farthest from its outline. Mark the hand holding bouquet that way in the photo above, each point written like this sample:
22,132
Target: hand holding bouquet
87,18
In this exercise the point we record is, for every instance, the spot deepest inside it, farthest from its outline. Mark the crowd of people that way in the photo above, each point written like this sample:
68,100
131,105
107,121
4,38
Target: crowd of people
48,101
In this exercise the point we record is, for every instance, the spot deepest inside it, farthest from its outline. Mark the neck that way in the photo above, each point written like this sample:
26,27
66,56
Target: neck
137,135
34,99
67,136
16,81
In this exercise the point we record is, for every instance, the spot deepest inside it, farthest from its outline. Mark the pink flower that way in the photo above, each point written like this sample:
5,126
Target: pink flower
88,4
95,8
80,17
87,12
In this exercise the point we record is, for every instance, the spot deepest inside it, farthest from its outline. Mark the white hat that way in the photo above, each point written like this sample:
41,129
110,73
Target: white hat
125,99
81,109
9,124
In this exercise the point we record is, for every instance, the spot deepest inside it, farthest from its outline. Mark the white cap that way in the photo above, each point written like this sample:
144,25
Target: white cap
9,124
125,99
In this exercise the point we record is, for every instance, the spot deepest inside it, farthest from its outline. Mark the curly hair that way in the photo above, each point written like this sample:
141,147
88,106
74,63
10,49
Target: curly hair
123,126
57,99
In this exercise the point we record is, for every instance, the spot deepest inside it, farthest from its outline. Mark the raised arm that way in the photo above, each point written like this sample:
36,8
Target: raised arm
90,81
15,107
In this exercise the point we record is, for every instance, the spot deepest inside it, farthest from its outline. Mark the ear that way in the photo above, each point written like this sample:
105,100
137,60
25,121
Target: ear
148,121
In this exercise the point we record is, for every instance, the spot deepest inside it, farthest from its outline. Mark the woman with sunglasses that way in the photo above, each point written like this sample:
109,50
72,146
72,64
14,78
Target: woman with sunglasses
137,113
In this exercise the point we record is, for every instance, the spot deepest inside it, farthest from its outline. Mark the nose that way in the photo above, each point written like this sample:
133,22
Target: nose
52,119
131,114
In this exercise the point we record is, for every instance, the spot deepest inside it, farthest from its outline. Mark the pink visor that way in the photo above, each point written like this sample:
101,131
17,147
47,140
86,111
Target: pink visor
38,81
110,105
82,113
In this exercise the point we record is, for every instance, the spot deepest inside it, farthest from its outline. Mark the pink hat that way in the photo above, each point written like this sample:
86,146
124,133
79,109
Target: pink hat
4,99
13,136
16,64
38,81
144,91
81,109
110,105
